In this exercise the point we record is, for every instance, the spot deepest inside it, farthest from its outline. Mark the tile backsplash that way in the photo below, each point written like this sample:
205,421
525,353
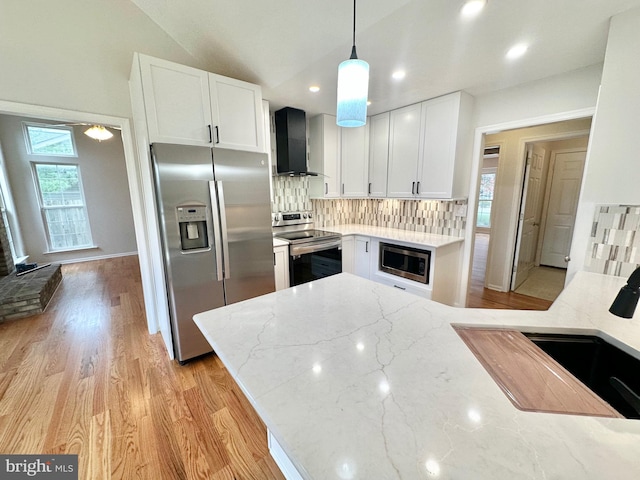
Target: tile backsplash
615,240
431,216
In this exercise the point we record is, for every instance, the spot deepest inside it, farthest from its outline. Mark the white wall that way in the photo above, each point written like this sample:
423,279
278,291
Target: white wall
613,163
76,54
106,189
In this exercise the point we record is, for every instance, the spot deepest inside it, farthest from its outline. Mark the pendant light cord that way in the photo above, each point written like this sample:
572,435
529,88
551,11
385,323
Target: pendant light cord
354,56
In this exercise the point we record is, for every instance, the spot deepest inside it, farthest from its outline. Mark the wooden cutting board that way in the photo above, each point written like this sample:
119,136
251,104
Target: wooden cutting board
530,378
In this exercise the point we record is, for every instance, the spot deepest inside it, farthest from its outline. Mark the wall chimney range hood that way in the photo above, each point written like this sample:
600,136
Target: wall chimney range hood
291,142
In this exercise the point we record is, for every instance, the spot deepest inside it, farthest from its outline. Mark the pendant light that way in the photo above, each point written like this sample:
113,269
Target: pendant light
353,87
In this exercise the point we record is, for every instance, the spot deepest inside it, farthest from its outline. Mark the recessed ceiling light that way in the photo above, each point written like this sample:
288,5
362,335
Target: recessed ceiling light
517,51
473,7
368,102
399,75
314,88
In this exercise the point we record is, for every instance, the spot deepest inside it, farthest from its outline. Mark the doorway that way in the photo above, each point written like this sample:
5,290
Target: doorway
536,172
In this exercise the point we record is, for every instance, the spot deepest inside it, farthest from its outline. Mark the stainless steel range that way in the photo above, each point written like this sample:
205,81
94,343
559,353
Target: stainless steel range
313,254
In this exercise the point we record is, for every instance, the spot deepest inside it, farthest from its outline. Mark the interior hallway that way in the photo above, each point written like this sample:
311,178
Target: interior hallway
86,378
481,297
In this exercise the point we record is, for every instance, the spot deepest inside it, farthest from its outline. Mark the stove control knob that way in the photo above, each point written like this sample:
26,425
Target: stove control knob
304,215
276,218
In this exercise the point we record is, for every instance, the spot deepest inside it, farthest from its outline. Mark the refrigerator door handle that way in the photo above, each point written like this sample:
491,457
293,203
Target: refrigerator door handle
217,239
223,223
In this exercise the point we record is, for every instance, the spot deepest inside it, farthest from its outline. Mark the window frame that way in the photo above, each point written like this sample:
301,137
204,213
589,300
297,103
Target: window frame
27,139
487,171
44,208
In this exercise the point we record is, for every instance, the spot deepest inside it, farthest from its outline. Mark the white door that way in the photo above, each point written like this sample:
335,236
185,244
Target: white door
563,202
530,215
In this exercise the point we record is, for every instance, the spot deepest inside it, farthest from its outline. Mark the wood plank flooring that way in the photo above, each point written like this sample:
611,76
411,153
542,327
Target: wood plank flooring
85,377
481,297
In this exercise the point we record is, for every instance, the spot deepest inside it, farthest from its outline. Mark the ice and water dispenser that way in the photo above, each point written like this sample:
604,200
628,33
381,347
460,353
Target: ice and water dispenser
192,220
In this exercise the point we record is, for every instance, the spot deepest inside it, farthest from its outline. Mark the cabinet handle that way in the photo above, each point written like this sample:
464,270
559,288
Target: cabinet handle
210,134
413,188
274,259
369,190
217,135
326,188
366,247
418,188
401,288
343,189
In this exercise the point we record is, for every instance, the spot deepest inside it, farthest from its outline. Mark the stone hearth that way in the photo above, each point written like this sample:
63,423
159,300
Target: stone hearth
28,294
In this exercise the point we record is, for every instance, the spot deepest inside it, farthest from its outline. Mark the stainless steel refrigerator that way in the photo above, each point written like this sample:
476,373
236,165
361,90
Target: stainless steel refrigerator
215,221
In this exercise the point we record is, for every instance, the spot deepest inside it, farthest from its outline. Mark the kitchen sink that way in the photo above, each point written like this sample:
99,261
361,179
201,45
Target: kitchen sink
609,372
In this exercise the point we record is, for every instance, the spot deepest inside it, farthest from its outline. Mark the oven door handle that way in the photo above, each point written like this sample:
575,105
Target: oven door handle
314,247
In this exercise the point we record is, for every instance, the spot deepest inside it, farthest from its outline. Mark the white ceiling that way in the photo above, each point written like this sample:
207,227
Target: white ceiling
288,45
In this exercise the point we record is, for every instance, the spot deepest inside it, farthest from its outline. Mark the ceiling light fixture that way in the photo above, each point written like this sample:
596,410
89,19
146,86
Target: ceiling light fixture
473,7
353,87
98,132
517,51
399,75
314,88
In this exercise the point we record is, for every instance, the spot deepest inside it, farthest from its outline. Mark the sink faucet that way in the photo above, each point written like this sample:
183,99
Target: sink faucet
625,303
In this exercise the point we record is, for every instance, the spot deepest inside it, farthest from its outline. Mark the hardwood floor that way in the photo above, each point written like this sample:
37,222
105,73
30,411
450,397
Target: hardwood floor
85,377
481,297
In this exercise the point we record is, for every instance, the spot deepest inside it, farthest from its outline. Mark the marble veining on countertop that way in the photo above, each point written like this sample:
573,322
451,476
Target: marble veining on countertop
357,380
433,240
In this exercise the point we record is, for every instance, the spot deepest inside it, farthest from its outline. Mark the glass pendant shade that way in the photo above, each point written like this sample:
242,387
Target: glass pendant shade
98,132
353,90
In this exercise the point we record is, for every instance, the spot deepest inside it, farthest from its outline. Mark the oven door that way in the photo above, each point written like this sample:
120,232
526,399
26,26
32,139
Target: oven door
315,260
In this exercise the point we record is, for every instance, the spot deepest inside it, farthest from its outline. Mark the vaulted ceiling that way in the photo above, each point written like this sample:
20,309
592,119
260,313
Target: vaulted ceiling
288,45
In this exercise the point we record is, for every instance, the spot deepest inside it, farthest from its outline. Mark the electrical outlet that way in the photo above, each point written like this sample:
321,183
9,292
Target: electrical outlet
460,211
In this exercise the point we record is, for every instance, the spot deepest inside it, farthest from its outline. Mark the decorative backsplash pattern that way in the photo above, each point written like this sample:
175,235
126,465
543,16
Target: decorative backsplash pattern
290,194
615,240
431,216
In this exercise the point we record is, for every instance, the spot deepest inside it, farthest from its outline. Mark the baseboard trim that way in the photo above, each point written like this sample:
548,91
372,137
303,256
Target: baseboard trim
97,257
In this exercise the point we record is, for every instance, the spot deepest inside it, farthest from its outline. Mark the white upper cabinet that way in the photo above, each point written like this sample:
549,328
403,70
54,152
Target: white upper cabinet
236,109
378,155
354,160
404,151
176,100
443,171
187,106
429,149
324,157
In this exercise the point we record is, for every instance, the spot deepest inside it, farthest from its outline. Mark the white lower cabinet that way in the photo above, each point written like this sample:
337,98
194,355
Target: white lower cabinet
356,256
281,266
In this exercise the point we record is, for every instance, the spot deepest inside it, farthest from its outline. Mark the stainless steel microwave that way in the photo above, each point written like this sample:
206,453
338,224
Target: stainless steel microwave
407,262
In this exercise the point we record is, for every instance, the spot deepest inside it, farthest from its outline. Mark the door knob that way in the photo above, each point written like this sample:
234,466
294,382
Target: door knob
567,259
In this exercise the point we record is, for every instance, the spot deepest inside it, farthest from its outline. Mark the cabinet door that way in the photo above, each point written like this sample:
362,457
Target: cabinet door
362,249
354,161
440,123
348,254
324,157
404,151
236,109
281,267
378,154
176,100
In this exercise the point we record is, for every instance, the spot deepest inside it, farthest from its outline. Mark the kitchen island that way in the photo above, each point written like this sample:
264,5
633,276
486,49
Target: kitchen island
357,380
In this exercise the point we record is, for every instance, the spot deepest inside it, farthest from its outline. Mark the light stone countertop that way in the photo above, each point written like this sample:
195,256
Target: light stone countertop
425,239
357,380
277,242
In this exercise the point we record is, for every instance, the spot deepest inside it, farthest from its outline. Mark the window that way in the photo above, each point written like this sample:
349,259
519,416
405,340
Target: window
487,184
49,140
63,207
